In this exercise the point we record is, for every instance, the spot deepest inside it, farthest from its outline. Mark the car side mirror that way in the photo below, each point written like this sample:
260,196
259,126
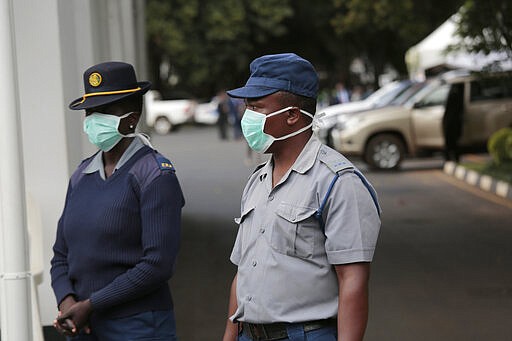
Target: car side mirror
418,105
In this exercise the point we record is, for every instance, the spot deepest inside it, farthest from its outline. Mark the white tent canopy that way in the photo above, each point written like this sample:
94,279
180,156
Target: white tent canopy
430,53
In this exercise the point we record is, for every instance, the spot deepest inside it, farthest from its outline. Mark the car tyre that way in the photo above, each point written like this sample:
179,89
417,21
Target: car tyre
384,151
162,126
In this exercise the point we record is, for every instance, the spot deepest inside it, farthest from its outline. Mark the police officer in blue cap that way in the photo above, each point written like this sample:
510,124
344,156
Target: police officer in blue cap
119,233
309,219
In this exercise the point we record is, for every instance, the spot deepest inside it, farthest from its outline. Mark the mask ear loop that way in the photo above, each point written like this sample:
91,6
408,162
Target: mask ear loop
144,137
280,111
301,130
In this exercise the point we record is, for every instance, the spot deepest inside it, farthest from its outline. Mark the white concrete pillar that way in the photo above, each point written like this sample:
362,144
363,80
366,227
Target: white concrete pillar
15,293
44,130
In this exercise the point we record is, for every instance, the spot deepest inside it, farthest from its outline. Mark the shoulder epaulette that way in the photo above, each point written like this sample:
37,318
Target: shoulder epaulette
339,164
163,163
334,160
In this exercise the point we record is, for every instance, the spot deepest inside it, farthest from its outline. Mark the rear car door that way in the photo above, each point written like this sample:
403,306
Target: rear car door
488,109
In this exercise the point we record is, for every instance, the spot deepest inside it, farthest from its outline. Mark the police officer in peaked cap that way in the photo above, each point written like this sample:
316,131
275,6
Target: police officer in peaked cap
119,232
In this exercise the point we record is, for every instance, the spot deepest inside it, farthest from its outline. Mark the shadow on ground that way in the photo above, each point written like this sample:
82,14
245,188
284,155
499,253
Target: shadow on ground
203,276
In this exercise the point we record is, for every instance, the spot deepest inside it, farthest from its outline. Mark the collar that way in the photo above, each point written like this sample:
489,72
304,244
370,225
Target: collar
97,162
307,156
304,162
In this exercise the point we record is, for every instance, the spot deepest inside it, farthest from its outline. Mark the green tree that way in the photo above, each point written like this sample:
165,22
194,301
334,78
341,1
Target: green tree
208,44
383,30
486,26
311,35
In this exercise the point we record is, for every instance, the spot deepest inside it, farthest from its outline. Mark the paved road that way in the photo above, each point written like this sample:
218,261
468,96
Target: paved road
442,270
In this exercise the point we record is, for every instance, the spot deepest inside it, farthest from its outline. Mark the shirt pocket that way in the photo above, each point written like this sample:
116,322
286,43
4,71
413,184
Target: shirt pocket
295,230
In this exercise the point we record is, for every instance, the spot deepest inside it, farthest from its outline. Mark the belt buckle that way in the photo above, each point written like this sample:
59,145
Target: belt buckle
258,332
253,330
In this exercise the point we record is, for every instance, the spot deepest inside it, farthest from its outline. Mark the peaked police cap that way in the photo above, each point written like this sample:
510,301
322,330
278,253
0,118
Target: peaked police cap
108,82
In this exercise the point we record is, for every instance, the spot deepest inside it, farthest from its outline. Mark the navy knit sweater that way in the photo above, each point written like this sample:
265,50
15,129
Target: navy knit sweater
117,239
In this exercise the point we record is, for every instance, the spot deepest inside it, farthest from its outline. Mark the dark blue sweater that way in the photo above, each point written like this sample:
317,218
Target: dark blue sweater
117,239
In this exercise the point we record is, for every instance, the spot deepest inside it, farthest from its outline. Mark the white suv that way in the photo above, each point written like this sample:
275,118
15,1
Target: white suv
163,116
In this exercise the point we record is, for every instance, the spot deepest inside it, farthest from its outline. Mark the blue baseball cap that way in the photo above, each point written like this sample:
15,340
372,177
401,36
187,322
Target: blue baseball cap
276,72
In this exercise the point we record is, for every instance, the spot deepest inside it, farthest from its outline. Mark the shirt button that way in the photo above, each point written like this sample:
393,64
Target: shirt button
254,263
249,298
271,197
262,230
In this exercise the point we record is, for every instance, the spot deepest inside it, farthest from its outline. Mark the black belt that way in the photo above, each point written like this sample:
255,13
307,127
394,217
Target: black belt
278,331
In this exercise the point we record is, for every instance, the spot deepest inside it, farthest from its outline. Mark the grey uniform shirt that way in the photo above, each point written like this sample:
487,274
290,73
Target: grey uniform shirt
284,258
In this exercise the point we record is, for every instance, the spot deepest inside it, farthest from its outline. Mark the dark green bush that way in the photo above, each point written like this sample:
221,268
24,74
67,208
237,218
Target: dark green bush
500,146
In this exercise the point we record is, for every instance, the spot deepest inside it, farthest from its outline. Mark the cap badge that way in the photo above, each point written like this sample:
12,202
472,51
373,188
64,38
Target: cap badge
95,79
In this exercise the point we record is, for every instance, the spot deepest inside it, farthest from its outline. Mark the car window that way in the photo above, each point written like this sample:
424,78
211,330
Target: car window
495,88
375,96
436,97
408,93
424,89
390,94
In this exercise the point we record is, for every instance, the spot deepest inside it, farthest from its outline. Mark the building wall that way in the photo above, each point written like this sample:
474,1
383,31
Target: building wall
56,40
44,130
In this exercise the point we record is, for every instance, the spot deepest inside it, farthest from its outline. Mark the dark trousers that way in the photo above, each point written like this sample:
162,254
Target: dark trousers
451,151
223,129
151,325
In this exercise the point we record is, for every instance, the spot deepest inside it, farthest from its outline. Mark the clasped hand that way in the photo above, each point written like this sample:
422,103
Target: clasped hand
73,316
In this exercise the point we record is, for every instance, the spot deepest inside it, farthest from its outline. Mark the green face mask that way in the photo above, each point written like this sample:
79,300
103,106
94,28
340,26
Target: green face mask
102,130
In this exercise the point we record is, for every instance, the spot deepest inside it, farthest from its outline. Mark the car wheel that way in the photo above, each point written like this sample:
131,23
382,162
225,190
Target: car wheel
162,125
384,151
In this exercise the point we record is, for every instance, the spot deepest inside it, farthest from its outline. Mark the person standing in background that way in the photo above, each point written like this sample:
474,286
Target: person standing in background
453,122
224,110
237,110
341,94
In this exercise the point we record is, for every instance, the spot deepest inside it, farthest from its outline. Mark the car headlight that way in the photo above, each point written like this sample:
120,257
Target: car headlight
323,122
348,123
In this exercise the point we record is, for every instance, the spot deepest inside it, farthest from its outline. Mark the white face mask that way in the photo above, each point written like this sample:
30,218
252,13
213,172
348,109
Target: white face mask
253,124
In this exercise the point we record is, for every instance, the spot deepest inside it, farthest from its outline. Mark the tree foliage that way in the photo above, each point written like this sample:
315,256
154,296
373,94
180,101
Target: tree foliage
486,26
383,30
208,44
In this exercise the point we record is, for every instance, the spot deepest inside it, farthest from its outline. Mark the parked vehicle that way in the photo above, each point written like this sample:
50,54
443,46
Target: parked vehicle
383,137
164,115
328,117
206,113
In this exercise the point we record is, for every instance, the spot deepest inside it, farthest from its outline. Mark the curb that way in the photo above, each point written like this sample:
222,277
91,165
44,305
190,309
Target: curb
484,182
